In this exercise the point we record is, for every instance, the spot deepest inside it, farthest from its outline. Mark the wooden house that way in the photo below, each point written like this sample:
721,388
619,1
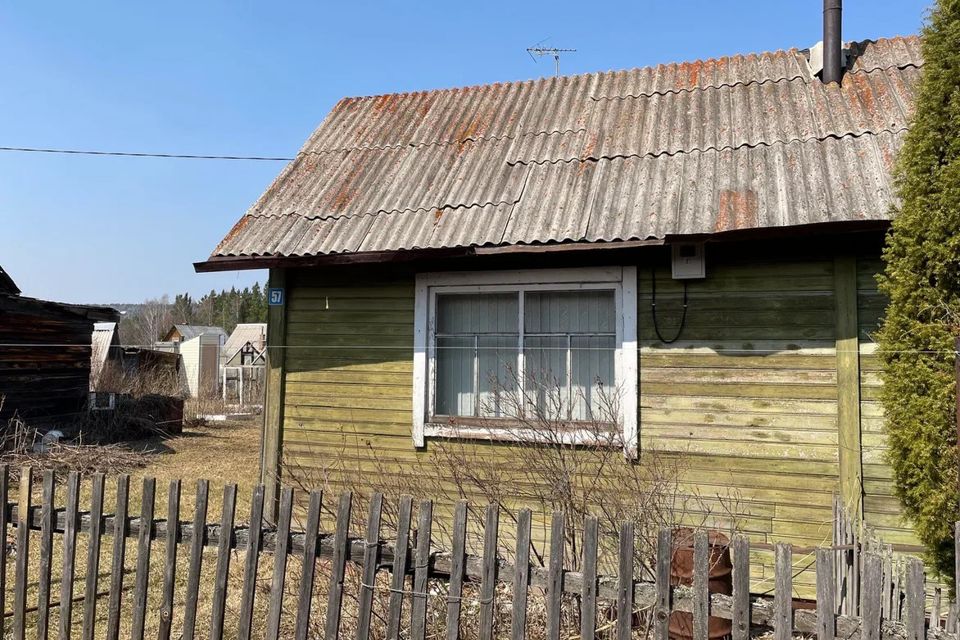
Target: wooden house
702,236
200,350
45,356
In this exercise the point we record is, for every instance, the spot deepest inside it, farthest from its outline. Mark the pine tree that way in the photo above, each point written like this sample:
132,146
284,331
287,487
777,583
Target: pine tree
922,282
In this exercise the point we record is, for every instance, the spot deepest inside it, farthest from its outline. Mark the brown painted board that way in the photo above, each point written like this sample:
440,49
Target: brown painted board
71,524
338,564
280,551
310,543
119,555
196,560
224,543
251,562
141,580
421,572
94,541
399,569
170,560
588,593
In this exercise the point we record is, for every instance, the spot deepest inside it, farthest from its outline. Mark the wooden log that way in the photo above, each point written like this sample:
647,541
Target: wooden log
625,583
399,569
458,561
783,592
521,576
94,539
71,524
119,553
338,567
223,561
196,560
741,587
871,600
170,560
275,606
588,592
310,545
4,526
488,580
554,593
141,580
661,629
368,580
826,595
421,572
251,562
701,585
47,521
23,554
915,603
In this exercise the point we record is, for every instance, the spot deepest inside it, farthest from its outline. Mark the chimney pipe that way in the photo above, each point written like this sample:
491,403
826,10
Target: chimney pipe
832,41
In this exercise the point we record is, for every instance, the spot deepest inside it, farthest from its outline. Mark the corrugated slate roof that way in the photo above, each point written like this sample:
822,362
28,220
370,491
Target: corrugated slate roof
690,148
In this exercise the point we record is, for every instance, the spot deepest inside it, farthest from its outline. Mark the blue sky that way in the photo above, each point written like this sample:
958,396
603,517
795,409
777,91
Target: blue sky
254,78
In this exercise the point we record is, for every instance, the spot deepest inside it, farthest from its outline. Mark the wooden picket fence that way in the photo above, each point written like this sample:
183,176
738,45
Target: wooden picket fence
607,605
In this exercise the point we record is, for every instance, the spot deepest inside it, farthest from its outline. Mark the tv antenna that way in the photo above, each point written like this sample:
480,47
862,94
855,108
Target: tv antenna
549,51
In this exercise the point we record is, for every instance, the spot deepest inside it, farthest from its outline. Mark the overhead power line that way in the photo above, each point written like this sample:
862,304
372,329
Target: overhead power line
138,154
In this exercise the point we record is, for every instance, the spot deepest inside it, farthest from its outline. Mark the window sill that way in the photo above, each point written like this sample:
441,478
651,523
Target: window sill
509,431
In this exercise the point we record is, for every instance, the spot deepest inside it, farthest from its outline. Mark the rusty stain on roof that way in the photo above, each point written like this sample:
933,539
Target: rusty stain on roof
698,147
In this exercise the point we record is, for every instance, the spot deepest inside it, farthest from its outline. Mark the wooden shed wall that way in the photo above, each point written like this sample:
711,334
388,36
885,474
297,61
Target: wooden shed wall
747,397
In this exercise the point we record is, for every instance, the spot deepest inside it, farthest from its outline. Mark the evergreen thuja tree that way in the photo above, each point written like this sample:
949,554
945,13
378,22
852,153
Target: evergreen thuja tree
922,282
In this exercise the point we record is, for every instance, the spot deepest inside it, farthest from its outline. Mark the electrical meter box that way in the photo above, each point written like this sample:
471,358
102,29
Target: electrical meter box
688,261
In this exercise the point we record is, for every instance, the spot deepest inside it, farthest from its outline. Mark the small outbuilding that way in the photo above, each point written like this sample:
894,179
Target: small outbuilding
244,361
200,348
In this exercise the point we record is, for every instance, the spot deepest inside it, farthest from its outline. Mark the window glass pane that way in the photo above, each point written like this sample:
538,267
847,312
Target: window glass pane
477,313
455,381
545,374
497,360
569,312
592,385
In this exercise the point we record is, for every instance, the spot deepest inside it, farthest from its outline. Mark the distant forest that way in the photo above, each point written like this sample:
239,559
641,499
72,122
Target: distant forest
145,323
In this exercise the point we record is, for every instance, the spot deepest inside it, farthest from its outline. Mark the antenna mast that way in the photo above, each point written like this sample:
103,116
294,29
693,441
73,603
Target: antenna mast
549,51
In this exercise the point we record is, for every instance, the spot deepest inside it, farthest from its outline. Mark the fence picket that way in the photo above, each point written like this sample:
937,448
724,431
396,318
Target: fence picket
310,541
23,554
663,604
119,553
398,579
170,560
625,583
48,516
224,542
934,609
826,595
896,599
196,560
588,592
338,567
143,559
870,609
94,538
783,592
555,576
741,587
4,525
701,586
915,603
368,581
421,572
488,583
521,576
281,548
251,563
886,586
457,562
71,524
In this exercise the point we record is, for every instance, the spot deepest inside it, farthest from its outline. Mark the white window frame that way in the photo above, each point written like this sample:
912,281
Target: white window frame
621,279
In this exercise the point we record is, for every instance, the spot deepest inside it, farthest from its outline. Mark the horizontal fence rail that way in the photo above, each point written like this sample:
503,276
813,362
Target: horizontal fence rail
104,591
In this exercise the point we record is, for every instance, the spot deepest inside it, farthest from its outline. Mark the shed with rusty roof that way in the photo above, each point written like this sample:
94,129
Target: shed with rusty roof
701,237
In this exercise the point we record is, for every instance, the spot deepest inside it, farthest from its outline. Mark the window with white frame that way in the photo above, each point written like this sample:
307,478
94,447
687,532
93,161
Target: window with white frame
559,343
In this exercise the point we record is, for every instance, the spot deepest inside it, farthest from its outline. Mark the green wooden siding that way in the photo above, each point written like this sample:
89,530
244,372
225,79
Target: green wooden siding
747,396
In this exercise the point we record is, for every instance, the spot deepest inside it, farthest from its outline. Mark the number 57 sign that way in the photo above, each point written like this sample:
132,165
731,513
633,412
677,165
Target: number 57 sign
275,296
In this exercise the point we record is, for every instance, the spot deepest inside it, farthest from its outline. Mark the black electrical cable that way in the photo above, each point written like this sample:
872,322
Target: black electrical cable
653,309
